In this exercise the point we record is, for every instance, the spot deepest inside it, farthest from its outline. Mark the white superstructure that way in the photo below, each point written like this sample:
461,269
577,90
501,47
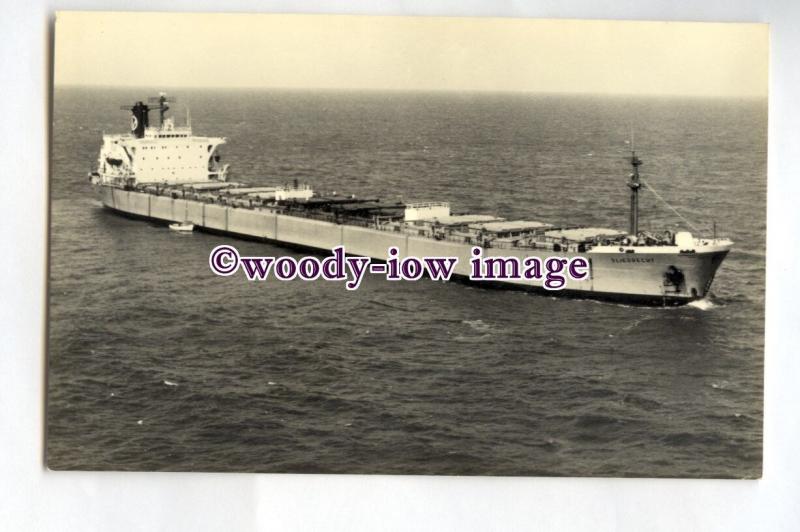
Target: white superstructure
166,154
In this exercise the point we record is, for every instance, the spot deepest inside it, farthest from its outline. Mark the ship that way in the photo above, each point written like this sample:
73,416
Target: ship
167,174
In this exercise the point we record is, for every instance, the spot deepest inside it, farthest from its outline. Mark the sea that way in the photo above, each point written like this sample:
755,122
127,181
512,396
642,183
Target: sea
157,364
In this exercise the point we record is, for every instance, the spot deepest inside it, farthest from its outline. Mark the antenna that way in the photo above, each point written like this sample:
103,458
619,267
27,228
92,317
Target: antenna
162,100
188,117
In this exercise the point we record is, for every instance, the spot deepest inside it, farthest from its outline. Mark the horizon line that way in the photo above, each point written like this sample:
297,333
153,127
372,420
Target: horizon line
414,90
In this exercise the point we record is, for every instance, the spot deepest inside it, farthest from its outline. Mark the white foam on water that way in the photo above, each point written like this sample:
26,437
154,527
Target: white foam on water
170,383
702,304
477,325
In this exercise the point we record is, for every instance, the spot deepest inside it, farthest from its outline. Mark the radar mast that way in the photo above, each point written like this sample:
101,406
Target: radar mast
634,184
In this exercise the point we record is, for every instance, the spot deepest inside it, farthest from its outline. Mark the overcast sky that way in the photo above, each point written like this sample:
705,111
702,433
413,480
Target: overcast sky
348,52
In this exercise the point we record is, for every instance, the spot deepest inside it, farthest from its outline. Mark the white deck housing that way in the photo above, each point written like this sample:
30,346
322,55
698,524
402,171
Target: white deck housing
426,211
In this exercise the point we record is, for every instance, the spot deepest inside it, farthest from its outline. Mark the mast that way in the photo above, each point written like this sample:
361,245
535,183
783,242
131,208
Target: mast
634,185
162,100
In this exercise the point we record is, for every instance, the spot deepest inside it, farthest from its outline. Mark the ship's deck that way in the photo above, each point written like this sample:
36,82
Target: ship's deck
484,230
